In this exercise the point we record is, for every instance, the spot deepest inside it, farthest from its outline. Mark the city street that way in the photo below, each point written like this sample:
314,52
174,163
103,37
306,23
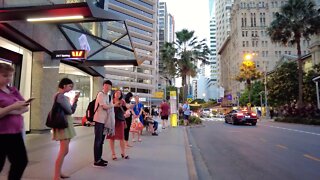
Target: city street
269,150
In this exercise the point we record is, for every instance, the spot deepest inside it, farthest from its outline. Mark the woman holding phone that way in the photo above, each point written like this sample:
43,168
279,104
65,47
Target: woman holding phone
12,106
64,135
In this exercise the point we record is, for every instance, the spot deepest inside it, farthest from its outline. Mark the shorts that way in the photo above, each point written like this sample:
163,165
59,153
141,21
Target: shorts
186,117
164,117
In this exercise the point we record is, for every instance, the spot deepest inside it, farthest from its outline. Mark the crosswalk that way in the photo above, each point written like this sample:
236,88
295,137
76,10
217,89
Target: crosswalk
212,119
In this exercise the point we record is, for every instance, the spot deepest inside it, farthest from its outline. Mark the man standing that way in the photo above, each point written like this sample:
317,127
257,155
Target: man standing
186,113
164,113
104,120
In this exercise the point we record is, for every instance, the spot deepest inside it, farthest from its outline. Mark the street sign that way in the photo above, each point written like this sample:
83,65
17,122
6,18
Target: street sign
69,54
249,104
189,100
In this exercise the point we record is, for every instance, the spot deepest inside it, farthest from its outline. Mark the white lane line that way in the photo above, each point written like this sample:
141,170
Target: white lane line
311,157
295,130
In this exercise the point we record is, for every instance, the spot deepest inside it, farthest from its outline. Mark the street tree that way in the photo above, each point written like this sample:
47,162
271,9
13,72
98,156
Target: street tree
257,87
296,19
188,51
309,88
248,73
283,84
167,56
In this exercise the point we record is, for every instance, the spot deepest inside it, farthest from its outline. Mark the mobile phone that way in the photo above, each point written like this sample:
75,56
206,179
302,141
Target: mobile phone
29,100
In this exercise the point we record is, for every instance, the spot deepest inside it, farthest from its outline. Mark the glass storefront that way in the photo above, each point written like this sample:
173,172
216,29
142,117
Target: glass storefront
82,83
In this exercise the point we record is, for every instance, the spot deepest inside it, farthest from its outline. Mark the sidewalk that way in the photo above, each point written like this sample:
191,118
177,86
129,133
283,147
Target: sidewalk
156,157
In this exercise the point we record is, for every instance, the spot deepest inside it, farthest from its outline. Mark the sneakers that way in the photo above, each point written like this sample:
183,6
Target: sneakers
154,134
101,163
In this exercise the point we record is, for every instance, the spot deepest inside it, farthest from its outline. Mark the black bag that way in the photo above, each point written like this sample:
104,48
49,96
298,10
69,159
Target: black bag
91,111
56,117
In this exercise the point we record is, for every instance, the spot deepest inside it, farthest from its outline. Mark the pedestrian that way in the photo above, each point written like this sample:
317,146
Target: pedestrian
186,112
12,106
130,113
120,120
164,113
104,122
66,134
271,113
138,110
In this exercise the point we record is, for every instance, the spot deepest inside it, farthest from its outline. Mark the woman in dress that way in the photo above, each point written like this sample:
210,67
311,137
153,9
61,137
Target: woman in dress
64,135
119,125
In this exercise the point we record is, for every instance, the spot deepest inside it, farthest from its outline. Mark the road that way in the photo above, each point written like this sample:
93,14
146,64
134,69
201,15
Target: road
268,151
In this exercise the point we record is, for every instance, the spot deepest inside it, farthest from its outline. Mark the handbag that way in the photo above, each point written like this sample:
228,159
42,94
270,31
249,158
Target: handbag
56,118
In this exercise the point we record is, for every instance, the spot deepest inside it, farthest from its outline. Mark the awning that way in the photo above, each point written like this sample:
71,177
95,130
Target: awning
103,34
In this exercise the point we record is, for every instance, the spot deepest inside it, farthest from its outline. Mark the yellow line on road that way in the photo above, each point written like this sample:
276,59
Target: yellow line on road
311,157
281,146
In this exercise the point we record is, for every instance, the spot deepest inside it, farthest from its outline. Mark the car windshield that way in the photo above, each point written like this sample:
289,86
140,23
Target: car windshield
206,109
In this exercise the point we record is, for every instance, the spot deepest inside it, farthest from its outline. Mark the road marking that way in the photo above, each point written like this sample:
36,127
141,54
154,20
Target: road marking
295,130
281,146
311,157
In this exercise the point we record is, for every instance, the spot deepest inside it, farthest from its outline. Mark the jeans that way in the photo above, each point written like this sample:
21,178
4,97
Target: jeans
98,141
12,146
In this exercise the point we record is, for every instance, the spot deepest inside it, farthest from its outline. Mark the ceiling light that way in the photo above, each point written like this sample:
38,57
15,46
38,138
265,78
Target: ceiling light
59,18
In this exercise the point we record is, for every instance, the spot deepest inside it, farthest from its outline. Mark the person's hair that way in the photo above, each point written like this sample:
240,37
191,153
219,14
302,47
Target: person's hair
163,100
128,96
64,81
114,94
6,68
107,82
146,110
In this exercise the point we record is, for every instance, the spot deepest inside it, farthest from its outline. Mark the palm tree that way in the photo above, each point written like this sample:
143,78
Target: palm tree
189,52
296,19
167,55
180,60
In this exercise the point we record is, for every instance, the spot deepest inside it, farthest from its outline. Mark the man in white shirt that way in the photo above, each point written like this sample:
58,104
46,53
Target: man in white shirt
186,113
104,122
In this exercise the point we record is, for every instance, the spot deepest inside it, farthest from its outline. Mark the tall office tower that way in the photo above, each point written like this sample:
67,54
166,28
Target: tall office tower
249,22
171,28
163,29
141,18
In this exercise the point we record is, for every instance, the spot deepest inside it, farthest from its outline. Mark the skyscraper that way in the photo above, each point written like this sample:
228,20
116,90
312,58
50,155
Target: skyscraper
141,17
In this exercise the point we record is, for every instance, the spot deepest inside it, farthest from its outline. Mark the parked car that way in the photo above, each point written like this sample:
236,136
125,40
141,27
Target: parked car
241,117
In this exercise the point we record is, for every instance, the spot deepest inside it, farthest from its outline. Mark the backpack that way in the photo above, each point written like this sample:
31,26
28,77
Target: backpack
91,111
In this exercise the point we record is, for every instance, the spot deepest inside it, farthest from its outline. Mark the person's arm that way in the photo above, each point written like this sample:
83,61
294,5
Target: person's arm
19,106
65,104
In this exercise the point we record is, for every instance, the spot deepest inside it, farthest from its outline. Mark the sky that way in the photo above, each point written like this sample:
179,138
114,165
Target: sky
192,15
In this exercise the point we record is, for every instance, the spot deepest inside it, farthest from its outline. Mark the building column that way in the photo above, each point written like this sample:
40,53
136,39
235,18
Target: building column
44,83
97,86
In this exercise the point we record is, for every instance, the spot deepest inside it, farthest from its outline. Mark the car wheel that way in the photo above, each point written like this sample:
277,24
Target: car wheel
234,122
253,124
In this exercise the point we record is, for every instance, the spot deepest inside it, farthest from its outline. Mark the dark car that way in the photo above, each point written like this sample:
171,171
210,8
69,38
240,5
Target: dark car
241,117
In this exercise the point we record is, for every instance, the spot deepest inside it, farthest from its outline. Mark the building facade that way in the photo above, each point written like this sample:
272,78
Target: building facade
30,48
141,17
249,22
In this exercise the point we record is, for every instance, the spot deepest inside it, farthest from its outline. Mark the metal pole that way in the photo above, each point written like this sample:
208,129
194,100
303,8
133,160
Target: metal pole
266,94
318,98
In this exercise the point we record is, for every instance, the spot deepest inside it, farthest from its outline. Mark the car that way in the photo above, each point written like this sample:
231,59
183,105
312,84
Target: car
206,112
241,117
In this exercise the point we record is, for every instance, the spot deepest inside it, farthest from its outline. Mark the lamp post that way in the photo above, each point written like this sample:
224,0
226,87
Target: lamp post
260,93
266,91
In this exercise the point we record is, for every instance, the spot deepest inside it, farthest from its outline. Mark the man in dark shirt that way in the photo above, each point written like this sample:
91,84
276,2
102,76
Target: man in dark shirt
164,113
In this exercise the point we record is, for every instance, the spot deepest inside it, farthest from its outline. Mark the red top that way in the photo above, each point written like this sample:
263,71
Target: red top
164,109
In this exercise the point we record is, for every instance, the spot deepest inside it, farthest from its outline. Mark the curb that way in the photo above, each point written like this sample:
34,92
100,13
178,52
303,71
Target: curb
190,161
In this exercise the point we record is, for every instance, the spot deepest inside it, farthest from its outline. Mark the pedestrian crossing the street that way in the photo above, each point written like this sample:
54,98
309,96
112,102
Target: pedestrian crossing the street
212,119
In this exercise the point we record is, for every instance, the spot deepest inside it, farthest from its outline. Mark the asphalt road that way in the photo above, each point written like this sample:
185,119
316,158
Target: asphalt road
270,150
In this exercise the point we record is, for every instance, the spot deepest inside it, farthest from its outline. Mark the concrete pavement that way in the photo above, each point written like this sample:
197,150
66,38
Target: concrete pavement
156,157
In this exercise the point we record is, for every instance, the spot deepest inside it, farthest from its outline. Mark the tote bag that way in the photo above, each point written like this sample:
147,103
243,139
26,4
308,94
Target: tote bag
56,117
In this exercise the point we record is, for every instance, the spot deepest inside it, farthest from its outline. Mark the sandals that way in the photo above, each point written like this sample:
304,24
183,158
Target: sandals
114,157
125,157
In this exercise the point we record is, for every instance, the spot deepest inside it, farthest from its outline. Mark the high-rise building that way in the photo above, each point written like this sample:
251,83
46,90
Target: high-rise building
141,17
163,29
249,22
171,30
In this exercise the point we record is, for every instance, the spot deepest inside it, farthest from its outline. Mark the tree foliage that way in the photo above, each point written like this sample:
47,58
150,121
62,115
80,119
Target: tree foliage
296,19
248,73
257,87
309,88
283,84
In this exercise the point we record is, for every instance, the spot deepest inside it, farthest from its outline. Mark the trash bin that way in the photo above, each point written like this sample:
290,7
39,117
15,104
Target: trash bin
174,120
